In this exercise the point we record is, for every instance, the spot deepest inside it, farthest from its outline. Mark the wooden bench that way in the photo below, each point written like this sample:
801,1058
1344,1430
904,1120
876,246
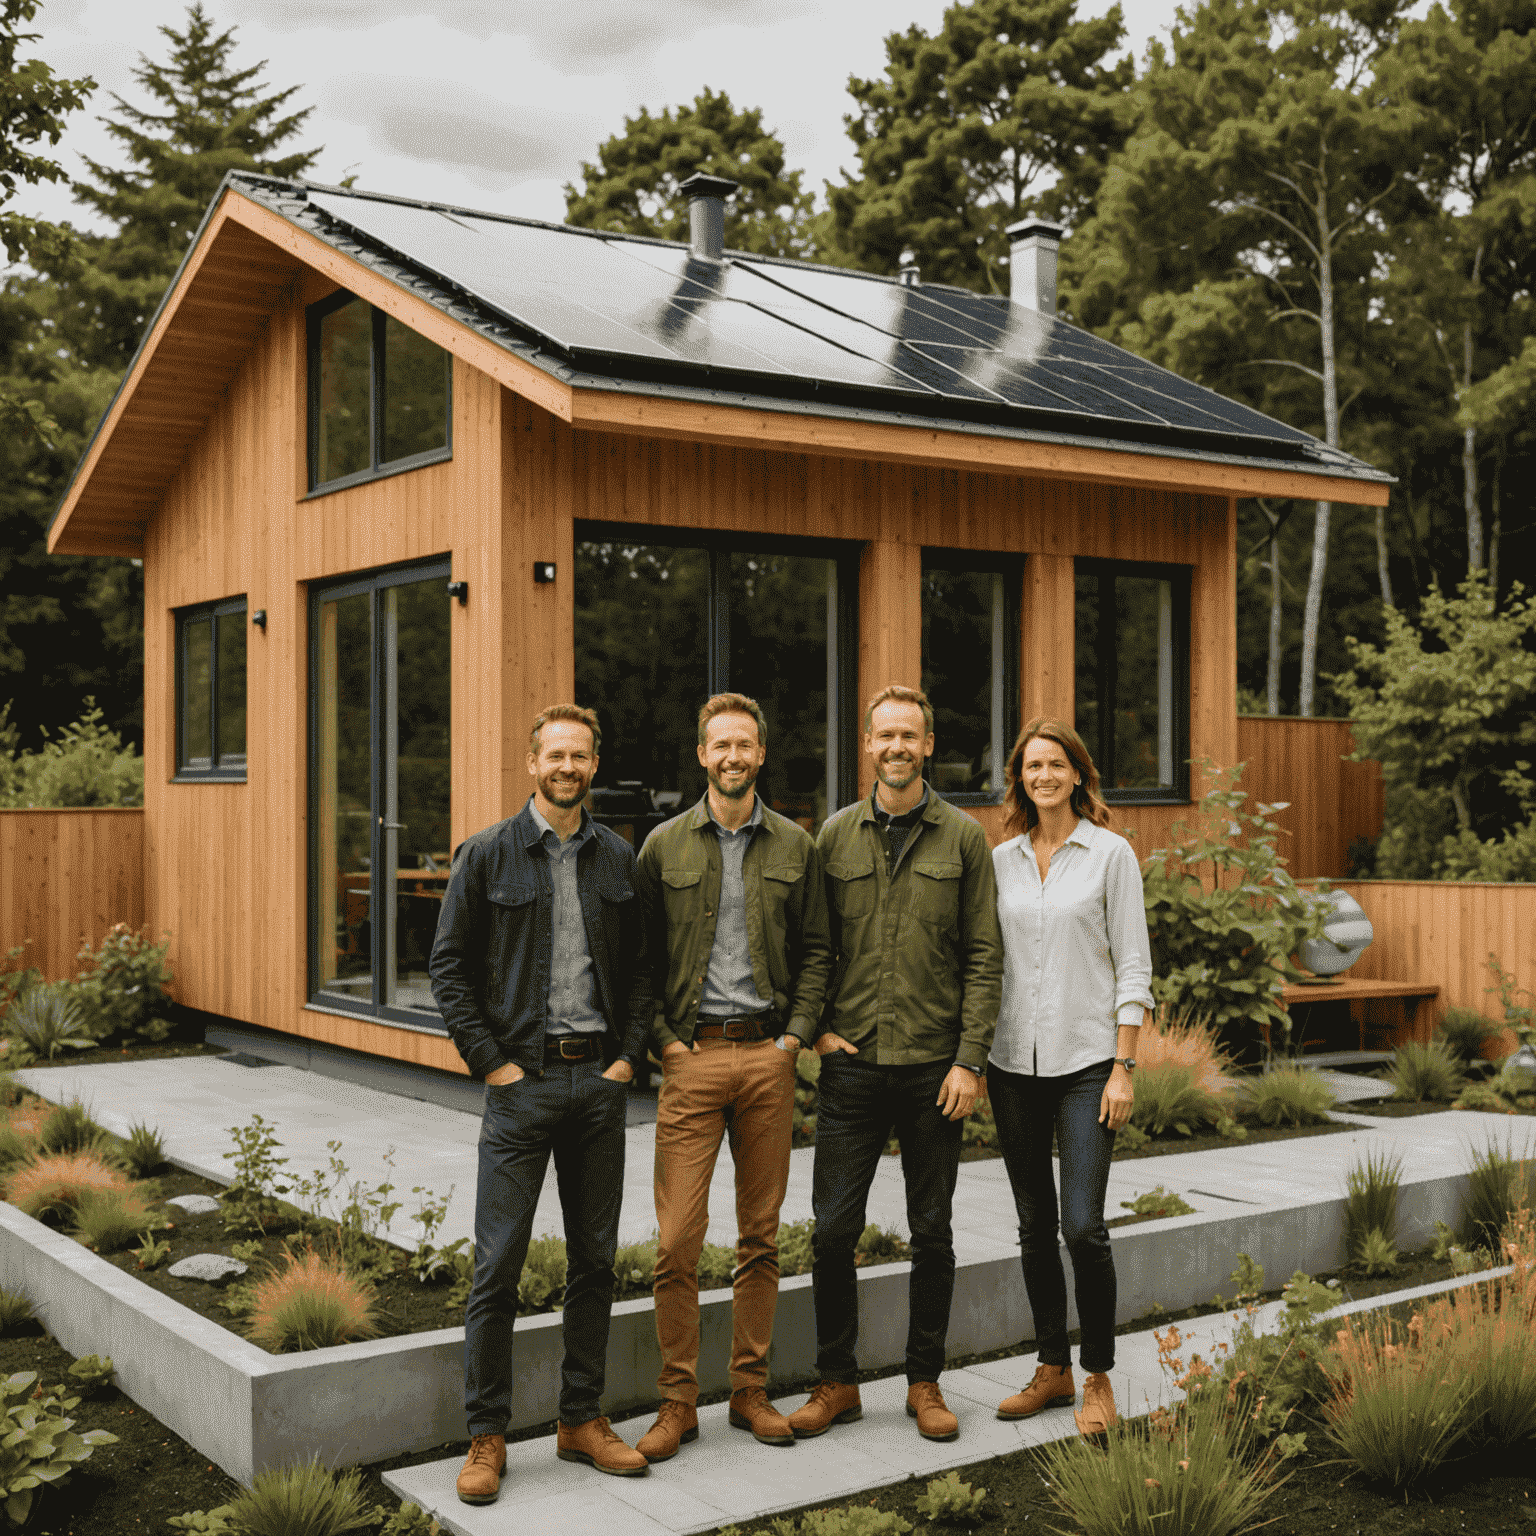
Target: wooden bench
1302,997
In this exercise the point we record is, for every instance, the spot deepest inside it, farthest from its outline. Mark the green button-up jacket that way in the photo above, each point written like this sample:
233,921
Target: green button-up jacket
678,883
917,953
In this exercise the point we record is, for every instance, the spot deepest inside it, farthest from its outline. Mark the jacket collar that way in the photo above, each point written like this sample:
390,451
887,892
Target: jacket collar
699,818
932,811
531,834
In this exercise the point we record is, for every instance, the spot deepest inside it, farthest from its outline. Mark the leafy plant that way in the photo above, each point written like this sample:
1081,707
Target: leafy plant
795,1255
151,1253
52,1185
16,1146
361,1212
122,986
1158,1202
853,1520
143,1150
92,1372
425,1262
69,1128
1375,1252
250,1201
1286,1096
212,1522
1482,1097
1370,1201
634,1270
979,1128
461,1255
303,1500
16,978
312,1303
47,1019
86,764
947,1498
876,1245
38,1444
1225,917
1465,1031
1425,1072
1496,1185
109,1219
1518,1016
410,1520
1169,1098
543,1277
15,1310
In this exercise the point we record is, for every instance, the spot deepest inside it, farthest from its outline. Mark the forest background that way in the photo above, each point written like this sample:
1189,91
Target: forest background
1325,210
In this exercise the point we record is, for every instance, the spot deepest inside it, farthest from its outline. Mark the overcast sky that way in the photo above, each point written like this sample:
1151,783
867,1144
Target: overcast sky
495,103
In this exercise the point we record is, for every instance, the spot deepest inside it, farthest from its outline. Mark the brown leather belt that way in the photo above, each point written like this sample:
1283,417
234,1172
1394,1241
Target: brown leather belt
756,1026
573,1048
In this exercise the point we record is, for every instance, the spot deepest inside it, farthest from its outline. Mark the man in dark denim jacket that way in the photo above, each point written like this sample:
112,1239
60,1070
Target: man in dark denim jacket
537,970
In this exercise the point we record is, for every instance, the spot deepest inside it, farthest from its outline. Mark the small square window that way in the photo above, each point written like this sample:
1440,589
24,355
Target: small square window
210,691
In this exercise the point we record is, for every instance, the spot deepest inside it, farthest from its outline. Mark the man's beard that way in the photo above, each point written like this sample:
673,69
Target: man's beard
743,789
567,797
886,772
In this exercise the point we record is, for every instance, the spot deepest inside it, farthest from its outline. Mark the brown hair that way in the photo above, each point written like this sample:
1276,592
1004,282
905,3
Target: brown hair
895,693
1086,800
733,704
572,712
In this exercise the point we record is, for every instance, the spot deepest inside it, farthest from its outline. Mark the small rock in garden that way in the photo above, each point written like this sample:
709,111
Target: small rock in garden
206,1266
194,1205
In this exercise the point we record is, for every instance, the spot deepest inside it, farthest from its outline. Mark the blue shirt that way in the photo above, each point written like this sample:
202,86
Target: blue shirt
729,987
570,964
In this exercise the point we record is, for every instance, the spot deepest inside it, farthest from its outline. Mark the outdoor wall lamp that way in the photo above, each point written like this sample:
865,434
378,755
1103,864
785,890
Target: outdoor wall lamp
543,571
259,619
460,590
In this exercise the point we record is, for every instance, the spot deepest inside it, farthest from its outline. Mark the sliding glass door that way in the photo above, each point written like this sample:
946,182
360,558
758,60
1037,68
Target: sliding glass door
379,833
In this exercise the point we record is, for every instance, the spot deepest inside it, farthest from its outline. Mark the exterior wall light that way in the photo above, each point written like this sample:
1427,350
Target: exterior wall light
460,590
543,571
259,619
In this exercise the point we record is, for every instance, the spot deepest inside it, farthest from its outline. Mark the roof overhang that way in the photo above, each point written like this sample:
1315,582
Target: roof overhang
247,259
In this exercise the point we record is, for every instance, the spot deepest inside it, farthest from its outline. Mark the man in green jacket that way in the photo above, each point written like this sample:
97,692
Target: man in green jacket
736,936
917,981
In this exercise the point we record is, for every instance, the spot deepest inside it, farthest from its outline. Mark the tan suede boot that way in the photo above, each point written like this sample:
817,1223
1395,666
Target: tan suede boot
833,1402
750,1409
1097,1416
677,1423
1050,1387
480,1478
926,1404
596,1444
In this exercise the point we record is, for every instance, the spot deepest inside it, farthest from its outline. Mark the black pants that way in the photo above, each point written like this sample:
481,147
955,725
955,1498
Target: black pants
1028,1110
858,1107
577,1115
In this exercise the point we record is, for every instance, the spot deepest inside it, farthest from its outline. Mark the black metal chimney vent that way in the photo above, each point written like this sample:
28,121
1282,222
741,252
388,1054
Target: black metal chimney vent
706,214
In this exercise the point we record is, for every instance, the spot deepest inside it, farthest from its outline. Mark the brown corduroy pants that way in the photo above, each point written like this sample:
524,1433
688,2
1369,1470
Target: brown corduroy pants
748,1092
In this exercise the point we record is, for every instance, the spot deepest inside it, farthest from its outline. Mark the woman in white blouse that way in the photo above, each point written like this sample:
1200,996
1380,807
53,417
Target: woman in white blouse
1077,981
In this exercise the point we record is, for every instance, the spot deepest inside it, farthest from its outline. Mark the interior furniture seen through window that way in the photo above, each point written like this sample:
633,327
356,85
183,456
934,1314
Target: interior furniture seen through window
210,691
379,773
970,669
378,395
662,625
1132,646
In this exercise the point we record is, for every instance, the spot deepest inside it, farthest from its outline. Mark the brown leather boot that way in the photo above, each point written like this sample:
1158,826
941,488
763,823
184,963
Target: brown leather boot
750,1409
1050,1387
480,1478
597,1445
926,1404
677,1423
1097,1415
833,1402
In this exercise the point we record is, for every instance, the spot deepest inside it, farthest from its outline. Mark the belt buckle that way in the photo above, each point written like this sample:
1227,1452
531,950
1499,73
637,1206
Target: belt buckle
737,1029
578,1051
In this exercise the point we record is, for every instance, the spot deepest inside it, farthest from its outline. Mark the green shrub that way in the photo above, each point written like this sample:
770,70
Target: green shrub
543,1278
1496,1184
121,986
11,1092
250,1202
212,1522
15,1311
979,1128
1286,1096
15,1147
634,1270
48,1019
947,1498
85,765
795,1255
151,1253
1484,1097
37,1444
1465,1031
1375,1252
1158,1202
879,1245
144,1150
69,1128
717,1266
107,1220
91,1373
1425,1073
854,1520
1370,1200
1169,1098
304,1500
15,978
410,1520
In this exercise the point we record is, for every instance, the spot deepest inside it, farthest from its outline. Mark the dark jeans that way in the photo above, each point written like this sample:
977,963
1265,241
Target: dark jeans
858,1107
1027,1110
578,1115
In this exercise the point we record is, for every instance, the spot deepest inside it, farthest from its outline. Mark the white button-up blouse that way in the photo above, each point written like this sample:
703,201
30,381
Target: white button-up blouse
1076,957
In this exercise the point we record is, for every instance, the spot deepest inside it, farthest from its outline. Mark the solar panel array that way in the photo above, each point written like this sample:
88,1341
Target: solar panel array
614,304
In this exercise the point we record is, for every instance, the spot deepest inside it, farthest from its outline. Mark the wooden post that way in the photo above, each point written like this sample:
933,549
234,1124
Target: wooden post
890,627
1047,651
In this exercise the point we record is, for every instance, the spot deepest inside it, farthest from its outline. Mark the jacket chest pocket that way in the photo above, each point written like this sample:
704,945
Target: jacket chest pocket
936,891
681,895
851,888
781,886
511,908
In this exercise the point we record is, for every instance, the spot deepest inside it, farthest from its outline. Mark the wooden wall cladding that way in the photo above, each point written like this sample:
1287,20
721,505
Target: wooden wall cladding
65,878
1329,802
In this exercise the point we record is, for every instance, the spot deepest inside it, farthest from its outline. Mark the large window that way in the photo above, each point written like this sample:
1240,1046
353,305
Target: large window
378,395
1132,646
660,626
210,691
379,831
970,669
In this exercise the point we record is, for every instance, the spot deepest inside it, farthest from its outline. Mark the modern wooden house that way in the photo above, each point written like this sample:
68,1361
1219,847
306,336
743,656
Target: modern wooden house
402,474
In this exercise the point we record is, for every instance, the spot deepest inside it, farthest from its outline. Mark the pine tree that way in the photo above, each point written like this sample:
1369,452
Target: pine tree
632,185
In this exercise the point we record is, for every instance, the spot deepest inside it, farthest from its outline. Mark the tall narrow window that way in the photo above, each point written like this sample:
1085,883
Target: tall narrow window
210,691
1132,643
660,627
379,395
970,669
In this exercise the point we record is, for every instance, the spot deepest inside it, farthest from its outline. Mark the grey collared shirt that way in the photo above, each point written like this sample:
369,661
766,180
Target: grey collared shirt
570,962
729,987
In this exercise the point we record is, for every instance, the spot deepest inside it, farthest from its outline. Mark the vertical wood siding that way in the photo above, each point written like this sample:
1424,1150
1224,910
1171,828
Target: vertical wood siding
65,878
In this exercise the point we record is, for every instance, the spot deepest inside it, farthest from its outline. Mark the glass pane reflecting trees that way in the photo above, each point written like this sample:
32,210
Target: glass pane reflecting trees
343,434
415,390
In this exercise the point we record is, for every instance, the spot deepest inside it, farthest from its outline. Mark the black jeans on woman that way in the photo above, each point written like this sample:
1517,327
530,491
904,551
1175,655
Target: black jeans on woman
1028,1110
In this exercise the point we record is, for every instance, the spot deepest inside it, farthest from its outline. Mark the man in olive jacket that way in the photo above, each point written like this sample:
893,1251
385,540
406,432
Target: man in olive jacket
736,936
913,1002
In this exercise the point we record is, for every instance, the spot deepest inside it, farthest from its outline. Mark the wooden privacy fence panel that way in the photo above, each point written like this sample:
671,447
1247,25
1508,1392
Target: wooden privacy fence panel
67,877
1330,802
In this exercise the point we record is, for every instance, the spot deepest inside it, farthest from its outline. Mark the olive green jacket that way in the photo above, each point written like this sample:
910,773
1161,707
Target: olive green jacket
917,954
678,883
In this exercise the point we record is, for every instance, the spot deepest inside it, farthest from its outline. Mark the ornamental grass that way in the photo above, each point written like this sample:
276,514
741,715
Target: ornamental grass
303,1500
54,1184
1287,1096
311,1303
1169,1097
1171,1042
106,1220
1426,1073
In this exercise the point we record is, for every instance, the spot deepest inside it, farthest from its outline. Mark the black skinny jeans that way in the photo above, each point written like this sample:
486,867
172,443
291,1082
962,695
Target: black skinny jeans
858,1106
1028,1109
576,1115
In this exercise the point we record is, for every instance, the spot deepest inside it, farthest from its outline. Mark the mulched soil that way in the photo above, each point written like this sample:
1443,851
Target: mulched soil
102,1054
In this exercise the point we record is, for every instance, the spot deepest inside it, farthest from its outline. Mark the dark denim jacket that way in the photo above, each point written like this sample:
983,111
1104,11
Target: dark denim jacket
491,959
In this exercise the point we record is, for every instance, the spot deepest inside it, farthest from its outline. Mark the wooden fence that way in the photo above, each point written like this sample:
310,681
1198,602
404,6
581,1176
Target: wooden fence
67,877
1330,802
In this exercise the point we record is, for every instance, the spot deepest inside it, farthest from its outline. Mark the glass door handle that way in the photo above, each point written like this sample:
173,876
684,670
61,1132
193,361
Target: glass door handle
393,826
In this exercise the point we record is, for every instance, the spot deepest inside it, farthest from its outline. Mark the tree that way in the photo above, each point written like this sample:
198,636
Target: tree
633,184
1012,107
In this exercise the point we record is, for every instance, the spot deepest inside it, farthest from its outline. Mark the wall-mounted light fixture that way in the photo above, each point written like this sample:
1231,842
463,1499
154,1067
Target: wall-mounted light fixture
543,570
460,590
259,619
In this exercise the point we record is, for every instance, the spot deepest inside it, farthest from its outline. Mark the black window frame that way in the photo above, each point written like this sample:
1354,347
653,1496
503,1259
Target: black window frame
1106,668
1011,568
215,772
379,468
843,706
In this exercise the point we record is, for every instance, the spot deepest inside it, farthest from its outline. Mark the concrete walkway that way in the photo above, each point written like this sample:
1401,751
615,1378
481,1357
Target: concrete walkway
195,1100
